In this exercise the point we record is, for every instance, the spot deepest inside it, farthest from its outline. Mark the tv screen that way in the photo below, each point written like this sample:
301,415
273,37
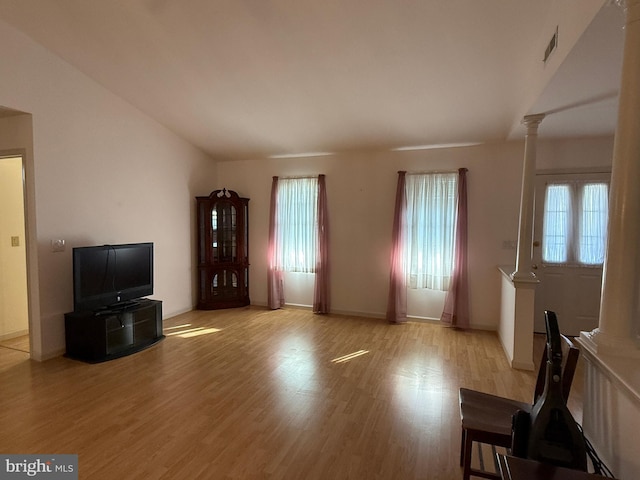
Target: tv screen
110,276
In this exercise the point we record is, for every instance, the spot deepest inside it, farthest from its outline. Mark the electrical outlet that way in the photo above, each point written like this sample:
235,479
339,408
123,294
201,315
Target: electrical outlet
15,241
57,245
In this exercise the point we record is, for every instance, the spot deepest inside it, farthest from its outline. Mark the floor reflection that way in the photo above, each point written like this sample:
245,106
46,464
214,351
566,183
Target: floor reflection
20,343
297,381
422,391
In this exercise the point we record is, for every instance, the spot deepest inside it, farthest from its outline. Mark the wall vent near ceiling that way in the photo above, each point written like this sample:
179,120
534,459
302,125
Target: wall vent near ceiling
553,43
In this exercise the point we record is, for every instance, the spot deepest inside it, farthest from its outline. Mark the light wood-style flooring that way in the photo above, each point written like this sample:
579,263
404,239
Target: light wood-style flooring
20,343
251,393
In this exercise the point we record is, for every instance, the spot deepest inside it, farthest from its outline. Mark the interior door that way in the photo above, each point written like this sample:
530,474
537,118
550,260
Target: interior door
569,286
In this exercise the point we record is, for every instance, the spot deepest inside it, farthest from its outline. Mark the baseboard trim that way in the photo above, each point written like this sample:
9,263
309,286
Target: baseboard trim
9,336
529,366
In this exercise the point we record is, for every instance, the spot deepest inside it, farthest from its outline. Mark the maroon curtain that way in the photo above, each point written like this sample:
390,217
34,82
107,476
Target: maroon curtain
321,289
456,304
397,302
275,281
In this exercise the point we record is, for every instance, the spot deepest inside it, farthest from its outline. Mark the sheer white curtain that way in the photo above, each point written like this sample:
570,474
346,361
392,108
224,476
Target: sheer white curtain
299,237
575,223
296,237
593,225
556,230
456,303
430,223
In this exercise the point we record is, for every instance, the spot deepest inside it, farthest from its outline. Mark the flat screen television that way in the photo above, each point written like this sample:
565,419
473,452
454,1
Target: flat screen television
111,276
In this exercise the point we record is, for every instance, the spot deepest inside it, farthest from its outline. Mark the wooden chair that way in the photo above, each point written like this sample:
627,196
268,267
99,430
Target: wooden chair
486,418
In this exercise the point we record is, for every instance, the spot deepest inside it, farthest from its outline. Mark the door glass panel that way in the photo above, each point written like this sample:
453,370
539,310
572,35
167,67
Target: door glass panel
593,225
556,224
575,223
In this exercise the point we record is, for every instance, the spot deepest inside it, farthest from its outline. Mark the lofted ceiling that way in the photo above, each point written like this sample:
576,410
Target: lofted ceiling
255,78
582,97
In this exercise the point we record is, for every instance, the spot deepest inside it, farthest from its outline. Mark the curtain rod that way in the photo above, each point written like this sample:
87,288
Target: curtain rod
434,171
300,176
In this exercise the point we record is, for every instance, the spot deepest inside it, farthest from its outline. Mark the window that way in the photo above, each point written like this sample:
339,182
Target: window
296,221
430,229
593,224
575,223
557,216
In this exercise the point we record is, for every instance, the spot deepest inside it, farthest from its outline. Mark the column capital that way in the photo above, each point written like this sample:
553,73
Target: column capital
626,6
533,121
622,4
630,9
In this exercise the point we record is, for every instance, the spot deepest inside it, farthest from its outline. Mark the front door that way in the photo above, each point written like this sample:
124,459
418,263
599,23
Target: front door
569,245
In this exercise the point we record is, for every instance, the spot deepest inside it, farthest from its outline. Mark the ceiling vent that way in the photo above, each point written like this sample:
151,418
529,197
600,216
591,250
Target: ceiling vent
553,43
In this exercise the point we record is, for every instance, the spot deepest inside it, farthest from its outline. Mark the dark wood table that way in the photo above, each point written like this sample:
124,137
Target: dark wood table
514,468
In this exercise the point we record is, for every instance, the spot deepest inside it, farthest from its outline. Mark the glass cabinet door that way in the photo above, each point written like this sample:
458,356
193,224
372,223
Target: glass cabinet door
225,284
224,241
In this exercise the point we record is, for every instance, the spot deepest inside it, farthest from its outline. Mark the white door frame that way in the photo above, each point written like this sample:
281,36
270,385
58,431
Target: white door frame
20,154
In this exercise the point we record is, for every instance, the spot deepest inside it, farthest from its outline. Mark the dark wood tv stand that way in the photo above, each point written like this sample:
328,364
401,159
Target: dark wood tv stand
112,333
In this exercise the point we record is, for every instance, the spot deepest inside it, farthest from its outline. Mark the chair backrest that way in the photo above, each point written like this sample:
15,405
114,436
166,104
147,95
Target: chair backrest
570,354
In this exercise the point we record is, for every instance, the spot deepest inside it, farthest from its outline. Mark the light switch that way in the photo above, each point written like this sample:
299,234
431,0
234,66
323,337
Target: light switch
57,245
15,241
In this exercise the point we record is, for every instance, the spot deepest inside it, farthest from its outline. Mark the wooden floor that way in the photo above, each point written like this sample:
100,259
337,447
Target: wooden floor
20,343
250,393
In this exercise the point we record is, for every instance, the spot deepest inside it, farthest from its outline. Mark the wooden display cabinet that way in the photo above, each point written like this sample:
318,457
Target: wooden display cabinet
223,250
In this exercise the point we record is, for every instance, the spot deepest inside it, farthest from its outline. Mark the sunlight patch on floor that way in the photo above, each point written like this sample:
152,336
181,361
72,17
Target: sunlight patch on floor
193,332
185,325
351,356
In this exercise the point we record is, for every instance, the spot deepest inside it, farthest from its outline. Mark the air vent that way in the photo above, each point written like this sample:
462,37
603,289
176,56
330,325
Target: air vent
553,43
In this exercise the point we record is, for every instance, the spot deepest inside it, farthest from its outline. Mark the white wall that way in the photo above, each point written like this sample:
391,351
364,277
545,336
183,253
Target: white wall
103,172
360,193
587,153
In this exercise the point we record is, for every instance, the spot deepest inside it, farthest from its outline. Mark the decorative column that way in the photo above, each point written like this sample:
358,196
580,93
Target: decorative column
621,281
517,332
525,231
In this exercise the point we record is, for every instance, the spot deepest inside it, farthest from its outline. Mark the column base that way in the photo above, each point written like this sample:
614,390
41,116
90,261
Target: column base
524,277
602,343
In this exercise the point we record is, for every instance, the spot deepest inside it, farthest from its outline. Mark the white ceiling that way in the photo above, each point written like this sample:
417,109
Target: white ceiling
253,78
582,97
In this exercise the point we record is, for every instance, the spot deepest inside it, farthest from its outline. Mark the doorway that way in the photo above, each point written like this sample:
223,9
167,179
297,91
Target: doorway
569,244
14,307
